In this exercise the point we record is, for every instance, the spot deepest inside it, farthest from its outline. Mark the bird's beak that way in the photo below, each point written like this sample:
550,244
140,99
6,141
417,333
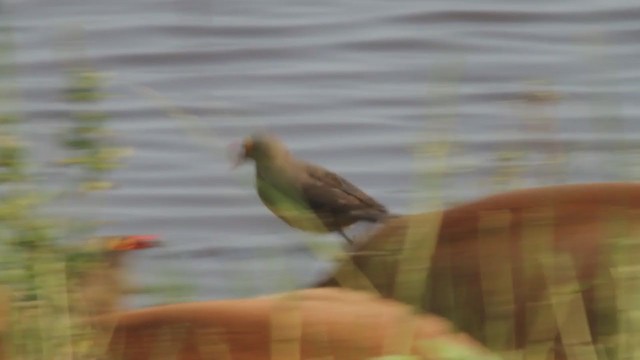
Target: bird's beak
237,155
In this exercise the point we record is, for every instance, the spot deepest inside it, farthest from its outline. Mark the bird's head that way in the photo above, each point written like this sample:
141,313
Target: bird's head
260,147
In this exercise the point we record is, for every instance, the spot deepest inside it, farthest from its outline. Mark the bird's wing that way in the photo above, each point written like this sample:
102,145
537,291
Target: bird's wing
325,190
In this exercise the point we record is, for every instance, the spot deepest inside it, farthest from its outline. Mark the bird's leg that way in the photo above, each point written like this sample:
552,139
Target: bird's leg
341,232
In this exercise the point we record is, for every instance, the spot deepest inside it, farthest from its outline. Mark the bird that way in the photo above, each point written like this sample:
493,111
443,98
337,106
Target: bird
304,195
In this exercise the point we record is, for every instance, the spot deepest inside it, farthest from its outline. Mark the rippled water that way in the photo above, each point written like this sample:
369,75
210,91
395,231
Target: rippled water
352,85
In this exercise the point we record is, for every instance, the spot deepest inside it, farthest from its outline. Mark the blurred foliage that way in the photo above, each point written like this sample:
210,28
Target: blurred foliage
87,139
39,317
35,268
